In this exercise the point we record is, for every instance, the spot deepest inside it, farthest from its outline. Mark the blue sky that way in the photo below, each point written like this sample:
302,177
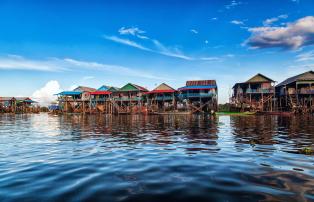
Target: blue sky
48,46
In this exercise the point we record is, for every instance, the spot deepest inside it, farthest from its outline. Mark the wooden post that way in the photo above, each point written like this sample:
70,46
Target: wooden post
296,93
286,92
262,101
250,94
173,102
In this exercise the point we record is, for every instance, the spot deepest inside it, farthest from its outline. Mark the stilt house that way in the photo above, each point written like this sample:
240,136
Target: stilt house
297,93
256,94
161,99
199,96
129,99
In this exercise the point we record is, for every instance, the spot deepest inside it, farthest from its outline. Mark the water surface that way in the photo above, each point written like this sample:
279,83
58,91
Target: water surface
155,158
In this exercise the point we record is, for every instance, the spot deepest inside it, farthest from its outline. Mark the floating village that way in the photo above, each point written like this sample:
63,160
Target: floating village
258,94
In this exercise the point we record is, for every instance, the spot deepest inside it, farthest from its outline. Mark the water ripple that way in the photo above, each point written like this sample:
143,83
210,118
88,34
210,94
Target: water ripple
156,158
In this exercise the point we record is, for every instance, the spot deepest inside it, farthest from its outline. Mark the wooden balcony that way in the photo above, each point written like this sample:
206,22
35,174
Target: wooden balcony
260,91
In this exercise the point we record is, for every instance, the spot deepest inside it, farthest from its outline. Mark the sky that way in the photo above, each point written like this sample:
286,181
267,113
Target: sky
50,46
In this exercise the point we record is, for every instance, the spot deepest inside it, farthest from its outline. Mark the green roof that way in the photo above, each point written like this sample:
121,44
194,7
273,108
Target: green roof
132,87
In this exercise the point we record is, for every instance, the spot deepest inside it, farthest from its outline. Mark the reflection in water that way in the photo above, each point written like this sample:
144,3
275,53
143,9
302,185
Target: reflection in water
156,158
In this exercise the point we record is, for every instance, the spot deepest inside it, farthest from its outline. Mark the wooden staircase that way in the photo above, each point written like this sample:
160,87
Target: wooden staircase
293,101
262,102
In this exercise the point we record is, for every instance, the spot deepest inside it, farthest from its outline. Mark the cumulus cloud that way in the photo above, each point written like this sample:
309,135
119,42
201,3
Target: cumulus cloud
45,95
270,21
292,36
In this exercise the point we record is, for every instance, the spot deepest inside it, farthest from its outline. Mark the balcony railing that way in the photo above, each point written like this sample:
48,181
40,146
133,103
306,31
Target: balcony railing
193,95
99,99
260,90
159,98
292,91
306,92
128,98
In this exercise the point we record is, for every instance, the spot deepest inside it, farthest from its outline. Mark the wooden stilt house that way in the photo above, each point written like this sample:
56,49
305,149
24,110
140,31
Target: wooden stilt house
100,100
17,105
77,100
256,94
199,96
296,93
161,99
128,99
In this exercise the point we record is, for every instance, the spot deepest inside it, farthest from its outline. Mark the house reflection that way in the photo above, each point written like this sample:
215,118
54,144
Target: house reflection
194,132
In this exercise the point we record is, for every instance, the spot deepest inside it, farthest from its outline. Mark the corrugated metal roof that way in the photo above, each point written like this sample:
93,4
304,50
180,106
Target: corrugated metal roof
201,83
306,76
197,87
65,93
26,99
160,91
103,88
100,93
84,89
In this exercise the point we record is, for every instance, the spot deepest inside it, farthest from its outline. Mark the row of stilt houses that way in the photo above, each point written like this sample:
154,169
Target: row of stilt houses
259,93
197,96
18,105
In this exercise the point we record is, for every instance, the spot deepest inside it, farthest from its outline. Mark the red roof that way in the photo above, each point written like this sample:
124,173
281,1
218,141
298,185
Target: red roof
140,87
160,91
100,93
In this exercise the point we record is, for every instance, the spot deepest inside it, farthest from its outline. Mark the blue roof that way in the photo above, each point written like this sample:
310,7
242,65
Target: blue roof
198,87
70,93
30,101
103,88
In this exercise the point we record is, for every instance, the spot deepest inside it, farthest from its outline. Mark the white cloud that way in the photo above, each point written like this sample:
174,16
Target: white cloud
237,22
194,31
127,42
307,56
233,4
230,55
132,30
88,77
45,95
135,31
210,58
214,18
270,21
122,70
292,36
16,62
13,62
159,47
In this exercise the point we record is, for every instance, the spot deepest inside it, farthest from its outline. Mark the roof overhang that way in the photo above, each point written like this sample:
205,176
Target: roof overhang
100,93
